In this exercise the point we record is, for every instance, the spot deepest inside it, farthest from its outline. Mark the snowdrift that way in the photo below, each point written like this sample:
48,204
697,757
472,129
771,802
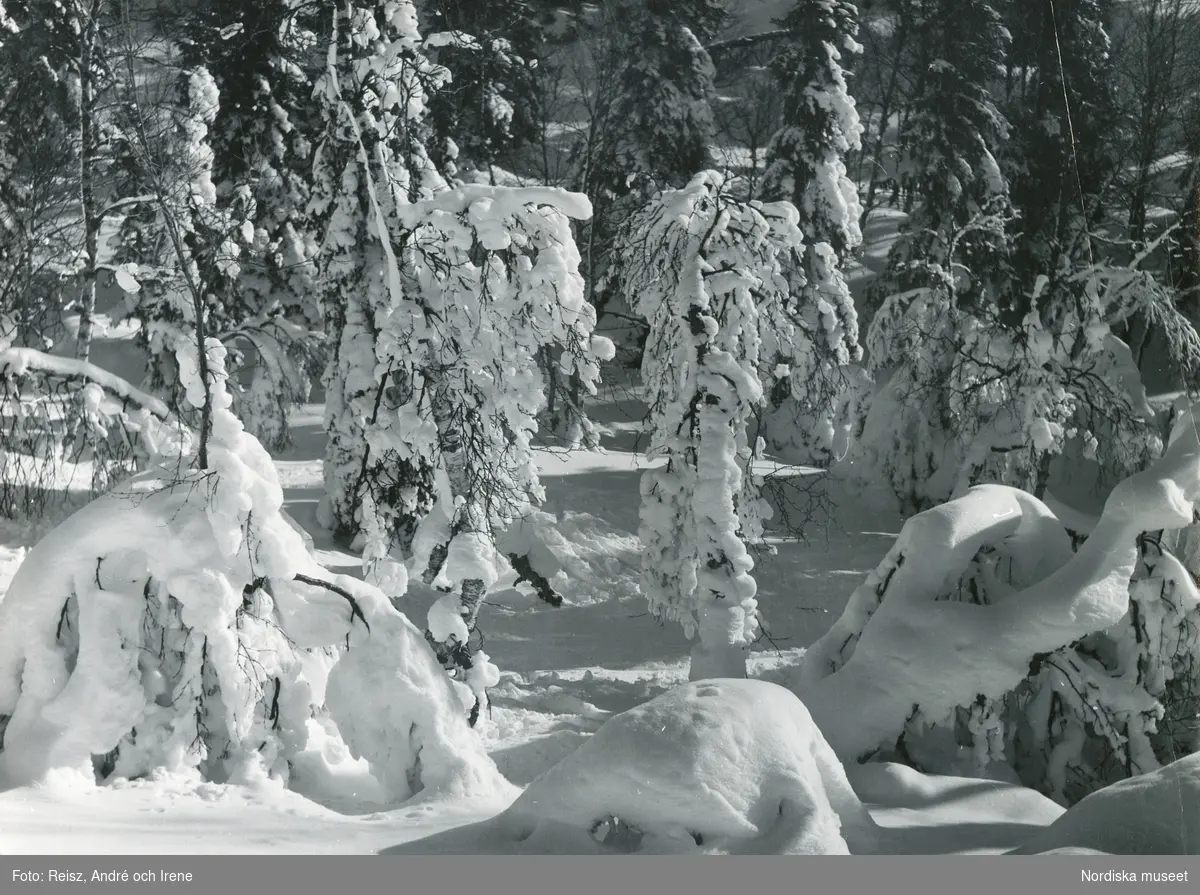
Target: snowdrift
714,767
1155,814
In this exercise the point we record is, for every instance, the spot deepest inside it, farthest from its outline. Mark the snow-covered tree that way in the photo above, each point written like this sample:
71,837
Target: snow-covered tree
1065,160
997,347
182,293
441,302
66,81
651,119
709,274
806,166
1063,110
259,57
497,272
662,98
369,160
952,377
178,623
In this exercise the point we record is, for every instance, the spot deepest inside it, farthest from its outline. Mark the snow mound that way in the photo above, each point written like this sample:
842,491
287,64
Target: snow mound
1155,814
926,814
717,767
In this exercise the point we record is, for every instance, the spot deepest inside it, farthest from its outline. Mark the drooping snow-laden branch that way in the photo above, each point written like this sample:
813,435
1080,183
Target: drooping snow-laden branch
22,362
898,648
57,412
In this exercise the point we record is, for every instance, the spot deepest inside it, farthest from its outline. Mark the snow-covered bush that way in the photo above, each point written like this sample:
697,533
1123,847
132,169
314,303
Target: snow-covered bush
178,622
969,396
1013,650
712,767
707,272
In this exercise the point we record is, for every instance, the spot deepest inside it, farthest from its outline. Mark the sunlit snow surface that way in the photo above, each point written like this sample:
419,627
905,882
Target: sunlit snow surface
565,672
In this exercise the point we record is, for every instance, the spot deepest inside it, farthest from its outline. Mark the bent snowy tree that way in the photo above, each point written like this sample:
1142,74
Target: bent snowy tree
706,271
178,621
906,648
440,303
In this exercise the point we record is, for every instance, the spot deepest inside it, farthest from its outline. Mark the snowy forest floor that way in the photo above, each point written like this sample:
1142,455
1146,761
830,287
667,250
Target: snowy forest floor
565,670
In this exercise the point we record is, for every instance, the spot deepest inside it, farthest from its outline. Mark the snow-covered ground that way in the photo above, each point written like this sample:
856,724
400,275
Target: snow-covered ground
565,671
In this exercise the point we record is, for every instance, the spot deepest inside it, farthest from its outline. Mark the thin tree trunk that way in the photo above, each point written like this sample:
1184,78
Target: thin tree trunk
885,114
468,518
88,148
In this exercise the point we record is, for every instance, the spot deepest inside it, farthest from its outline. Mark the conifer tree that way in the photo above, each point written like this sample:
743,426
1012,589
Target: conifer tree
1065,162
69,59
1064,114
370,158
806,166
439,301
663,93
258,55
931,342
707,271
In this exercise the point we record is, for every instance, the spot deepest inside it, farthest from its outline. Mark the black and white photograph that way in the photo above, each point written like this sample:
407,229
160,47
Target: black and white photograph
621,427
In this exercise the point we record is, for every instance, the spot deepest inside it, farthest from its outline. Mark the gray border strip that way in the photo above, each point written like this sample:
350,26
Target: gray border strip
760,875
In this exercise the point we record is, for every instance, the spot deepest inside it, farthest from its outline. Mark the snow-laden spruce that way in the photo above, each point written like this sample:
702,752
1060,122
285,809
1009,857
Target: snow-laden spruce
179,256
708,273
949,365
661,106
806,166
179,622
369,159
261,142
497,274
